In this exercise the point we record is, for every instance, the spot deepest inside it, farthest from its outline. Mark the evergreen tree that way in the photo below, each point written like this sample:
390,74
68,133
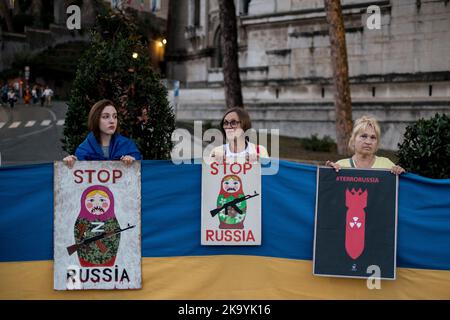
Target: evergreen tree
116,66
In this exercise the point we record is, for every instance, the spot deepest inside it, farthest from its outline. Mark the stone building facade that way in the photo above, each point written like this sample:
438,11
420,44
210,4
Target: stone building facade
37,39
398,73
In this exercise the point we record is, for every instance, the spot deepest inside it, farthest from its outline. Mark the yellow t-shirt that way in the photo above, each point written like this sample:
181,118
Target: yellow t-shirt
380,163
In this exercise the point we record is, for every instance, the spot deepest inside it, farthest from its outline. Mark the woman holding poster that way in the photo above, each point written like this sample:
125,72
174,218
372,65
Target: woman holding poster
364,142
231,186
233,125
103,141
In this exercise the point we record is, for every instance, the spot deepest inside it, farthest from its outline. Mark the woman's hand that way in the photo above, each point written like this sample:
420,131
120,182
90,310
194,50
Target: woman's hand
333,165
397,170
70,161
253,157
127,160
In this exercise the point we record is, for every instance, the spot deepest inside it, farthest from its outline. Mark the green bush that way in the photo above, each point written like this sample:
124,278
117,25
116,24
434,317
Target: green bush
425,149
326,144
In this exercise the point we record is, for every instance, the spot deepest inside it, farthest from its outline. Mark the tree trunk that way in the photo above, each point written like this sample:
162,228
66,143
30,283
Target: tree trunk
231,77
6,14
342,98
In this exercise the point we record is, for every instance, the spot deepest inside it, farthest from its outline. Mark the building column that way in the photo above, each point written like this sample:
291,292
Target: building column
59,11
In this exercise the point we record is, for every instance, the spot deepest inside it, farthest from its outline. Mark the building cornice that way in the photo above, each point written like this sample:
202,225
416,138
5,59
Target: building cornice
419,77
306,14
183,55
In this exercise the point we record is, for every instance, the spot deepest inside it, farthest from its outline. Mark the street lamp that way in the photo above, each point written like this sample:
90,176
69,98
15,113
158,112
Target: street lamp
135,55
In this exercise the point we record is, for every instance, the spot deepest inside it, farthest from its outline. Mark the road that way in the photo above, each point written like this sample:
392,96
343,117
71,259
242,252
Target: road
31,133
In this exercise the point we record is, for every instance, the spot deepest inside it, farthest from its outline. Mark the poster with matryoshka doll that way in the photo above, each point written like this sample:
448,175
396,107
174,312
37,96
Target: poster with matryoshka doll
231,203
97,225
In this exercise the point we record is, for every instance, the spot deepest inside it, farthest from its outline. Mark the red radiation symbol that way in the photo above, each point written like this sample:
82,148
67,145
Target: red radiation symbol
355,201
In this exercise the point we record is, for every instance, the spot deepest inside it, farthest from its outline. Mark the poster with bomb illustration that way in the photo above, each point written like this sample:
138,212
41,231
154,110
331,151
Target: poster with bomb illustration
356,223
231,203
97,226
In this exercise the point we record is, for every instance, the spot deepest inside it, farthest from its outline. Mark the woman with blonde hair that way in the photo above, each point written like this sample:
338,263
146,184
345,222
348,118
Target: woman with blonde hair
364,143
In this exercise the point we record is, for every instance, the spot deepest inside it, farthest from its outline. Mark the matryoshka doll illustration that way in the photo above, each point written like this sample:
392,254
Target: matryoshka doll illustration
96,217
231,188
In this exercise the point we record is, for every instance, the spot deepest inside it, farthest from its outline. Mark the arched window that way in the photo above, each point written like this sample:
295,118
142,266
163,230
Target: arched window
218,57
155,5
194,13
243,7
197,13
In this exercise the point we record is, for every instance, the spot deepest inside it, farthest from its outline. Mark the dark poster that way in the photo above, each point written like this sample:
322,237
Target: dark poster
355,223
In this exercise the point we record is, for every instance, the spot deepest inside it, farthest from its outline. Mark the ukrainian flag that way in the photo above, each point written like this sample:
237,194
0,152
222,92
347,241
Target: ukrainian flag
176,266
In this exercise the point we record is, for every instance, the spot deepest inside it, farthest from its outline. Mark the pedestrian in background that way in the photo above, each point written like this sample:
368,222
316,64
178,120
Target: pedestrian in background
11,97
34,94
27,95
4,93
48,94
41,96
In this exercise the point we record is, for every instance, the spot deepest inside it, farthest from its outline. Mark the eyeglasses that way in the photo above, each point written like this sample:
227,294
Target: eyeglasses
232,123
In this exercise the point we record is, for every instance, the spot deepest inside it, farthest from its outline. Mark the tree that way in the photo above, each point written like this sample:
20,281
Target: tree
108,70
342,98
231,77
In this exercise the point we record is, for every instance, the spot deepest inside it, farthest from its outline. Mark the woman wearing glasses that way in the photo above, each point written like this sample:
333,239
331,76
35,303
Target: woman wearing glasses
364,142
103,142
233,125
